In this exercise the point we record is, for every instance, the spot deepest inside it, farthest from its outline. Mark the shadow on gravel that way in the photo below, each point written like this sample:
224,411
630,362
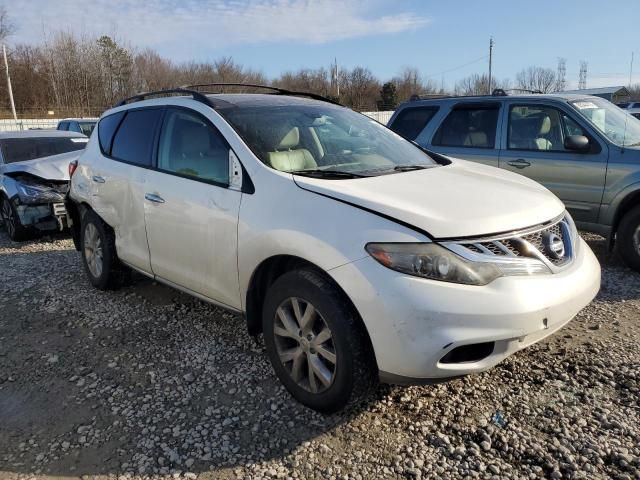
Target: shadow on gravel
144,379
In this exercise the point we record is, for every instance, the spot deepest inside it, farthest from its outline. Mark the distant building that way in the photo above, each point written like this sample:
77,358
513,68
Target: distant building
613,94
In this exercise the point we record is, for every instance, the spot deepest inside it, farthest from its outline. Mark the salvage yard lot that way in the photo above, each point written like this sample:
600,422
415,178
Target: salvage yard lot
146,381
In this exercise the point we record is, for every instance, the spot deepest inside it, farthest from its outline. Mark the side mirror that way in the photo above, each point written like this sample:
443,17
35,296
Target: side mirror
577,143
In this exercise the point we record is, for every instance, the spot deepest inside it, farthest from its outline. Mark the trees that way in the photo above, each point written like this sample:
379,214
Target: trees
7,27
537,78
388,97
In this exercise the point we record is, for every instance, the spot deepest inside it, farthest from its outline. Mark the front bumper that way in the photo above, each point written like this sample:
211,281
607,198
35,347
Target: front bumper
413,322
42,217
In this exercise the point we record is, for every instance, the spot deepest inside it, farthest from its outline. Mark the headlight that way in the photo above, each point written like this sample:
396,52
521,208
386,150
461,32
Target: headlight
32,193
429,260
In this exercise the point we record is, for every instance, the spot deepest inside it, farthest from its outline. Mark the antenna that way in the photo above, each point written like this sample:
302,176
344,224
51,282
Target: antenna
561,82
582,83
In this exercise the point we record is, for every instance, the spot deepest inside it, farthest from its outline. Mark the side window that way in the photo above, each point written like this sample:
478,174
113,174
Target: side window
468,126
63,126
74,127
538,127
107,127
133,142
191,146
411,121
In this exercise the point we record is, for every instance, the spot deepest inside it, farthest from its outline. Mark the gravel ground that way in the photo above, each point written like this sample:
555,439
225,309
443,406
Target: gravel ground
148,382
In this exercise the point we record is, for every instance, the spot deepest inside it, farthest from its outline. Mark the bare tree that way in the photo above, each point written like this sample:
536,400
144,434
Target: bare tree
7,27
410,82
537,78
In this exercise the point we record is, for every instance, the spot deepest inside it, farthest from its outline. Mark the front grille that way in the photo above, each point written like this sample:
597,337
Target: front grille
553,243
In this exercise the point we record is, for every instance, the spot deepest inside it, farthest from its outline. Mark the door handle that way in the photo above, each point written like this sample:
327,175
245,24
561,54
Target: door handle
520,163
98,179
152,197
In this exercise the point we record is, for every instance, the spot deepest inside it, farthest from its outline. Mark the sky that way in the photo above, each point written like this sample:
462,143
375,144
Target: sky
445,40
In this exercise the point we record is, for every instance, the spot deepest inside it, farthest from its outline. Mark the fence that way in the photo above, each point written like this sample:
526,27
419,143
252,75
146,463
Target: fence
382,117
9,125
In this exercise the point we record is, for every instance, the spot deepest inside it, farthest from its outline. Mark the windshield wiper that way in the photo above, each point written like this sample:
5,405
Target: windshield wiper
408,168
319,173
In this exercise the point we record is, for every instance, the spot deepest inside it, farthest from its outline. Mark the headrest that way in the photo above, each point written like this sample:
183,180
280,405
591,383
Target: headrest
545,125
290,140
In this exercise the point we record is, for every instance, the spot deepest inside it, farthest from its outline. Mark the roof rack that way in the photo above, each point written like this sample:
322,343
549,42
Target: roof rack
277,90
141,96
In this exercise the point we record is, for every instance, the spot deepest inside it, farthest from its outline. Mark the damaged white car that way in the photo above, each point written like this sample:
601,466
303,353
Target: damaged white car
34,179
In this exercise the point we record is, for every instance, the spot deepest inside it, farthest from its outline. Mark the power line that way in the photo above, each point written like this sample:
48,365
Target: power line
484,57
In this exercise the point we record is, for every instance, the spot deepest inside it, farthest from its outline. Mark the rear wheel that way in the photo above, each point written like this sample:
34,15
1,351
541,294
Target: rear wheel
12,224
99,256
317,345
628,238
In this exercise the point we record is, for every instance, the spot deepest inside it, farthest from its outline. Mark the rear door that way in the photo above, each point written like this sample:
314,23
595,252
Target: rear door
191,213
118,179
470,131
533,145
411,121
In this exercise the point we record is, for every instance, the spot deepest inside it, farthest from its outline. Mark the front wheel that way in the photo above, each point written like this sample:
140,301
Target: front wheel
628,238
317,345
12,224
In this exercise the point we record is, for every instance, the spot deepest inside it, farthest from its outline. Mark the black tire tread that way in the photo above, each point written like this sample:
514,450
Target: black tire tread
624,242
21,233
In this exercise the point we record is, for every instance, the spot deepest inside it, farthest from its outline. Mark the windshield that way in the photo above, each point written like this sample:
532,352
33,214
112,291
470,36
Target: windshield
30,148
298,138
617,125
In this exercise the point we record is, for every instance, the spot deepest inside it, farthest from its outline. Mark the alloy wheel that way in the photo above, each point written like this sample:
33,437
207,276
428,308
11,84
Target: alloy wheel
8,218
93,250
305,345
636,239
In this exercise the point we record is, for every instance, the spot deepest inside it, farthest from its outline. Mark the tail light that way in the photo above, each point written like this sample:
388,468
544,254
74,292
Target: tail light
72,168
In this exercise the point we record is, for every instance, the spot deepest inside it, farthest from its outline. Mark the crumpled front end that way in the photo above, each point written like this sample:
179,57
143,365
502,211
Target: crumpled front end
38,202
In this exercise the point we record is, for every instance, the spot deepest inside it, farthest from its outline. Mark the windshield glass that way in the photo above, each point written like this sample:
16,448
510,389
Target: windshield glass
618,126
317,137
87,127
30,148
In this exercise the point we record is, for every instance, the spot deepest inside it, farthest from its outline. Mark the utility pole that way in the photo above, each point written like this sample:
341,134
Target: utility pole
336,77
6,68
582,82
490,62
631,70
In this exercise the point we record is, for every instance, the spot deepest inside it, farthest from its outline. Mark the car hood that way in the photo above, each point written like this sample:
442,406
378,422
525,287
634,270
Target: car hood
55,167
463,199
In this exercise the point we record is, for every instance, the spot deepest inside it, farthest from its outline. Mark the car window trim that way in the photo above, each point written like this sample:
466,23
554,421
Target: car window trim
594,143
471,106
156,149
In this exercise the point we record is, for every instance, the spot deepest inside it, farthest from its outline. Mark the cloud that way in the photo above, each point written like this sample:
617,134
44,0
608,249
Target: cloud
182,26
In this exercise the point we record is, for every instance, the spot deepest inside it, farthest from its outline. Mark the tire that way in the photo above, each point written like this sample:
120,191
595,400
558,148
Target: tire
16,231
352,375
98,249
628,238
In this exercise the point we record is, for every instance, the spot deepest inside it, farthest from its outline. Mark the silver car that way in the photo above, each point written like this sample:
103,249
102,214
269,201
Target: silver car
584,149
34,179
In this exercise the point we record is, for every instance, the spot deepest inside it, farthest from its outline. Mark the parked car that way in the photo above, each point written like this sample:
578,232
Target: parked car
632,108
34,179
79,125
358,255
582,148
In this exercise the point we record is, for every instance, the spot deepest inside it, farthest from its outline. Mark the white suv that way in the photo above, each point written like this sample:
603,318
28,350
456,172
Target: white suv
358,255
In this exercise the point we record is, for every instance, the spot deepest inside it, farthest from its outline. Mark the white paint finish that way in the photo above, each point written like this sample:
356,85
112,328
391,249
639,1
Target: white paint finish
193,235
458,200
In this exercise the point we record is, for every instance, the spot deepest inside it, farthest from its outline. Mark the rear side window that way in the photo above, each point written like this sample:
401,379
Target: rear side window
133,142
63,125
411,121
468,126
636,105
106,129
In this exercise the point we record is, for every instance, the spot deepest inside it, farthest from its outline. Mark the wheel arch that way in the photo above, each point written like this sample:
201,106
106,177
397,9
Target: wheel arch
267,272
630,200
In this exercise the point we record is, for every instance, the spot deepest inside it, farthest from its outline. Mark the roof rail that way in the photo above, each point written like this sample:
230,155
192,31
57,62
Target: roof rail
277,90
141,96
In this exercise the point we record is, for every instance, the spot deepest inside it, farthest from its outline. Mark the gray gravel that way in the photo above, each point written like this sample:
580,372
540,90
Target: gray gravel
146,382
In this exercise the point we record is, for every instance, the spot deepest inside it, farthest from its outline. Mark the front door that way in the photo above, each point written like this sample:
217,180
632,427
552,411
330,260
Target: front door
534,146
191,214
